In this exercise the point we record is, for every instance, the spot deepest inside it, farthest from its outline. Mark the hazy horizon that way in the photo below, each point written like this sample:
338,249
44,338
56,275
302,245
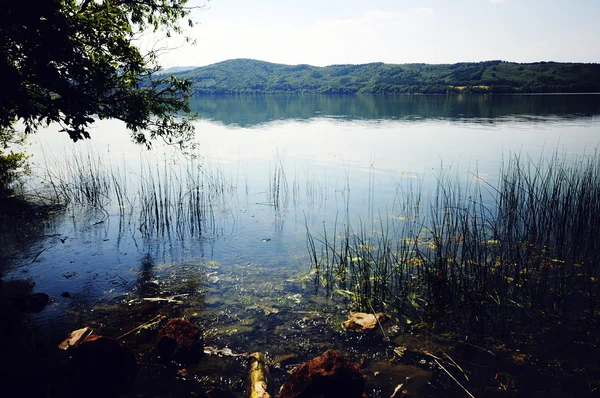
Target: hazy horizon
188,67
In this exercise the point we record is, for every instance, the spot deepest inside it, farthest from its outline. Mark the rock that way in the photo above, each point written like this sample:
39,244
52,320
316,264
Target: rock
65,295
180,341
102,367
34,302
361,321
183,373
330,375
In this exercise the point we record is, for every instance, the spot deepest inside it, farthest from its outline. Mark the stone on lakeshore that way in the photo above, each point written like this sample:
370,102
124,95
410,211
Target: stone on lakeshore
102,367
329,375
180,341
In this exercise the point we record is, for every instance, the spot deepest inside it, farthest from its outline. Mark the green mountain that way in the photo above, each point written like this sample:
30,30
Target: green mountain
251,76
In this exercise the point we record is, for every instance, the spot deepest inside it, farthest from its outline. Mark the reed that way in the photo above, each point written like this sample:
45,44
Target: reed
475,259
172,198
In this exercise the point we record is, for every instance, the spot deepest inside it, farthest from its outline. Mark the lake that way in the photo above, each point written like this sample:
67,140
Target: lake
222,239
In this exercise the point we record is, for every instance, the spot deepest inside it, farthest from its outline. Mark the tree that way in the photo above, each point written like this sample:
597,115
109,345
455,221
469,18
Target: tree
71,61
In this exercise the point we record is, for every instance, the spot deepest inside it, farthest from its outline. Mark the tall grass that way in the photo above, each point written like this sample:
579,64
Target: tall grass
180,199
278,189
169,198
81,179
477,259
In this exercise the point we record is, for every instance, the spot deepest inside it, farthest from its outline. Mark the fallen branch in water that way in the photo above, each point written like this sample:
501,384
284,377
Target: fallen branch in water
223,352
453,378
457,365
150,323
156,299
398,387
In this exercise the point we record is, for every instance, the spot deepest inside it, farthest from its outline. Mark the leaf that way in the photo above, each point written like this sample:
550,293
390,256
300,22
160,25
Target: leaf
346,293
75,338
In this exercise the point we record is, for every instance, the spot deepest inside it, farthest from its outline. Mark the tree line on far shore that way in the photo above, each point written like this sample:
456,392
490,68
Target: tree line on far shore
251,76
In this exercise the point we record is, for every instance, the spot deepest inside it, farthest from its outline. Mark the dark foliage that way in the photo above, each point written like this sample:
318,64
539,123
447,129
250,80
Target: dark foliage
70,61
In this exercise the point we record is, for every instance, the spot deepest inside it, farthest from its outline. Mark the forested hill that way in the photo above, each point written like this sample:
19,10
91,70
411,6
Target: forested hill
251,76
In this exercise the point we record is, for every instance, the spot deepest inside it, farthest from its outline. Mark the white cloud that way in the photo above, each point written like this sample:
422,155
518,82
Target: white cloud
497,1
379,15
423,10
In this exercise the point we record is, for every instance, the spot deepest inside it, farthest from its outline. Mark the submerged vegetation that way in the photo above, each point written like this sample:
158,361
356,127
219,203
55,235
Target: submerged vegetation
476,260
251,76
462,256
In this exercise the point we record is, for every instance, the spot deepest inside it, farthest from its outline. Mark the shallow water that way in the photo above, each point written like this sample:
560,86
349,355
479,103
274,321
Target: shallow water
273,167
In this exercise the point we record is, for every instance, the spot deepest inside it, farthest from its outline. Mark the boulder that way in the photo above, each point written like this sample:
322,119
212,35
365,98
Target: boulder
180,341
102,367
329,375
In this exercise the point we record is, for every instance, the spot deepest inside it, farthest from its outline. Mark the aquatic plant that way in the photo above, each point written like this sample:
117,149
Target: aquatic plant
174,198
476,258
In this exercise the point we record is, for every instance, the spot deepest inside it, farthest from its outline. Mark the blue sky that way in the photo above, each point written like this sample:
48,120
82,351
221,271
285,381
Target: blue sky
329,32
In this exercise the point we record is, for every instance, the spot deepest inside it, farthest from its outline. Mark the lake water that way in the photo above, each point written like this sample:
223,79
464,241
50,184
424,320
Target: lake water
268,169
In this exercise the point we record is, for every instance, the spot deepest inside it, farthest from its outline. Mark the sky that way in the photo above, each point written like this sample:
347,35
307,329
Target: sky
327,32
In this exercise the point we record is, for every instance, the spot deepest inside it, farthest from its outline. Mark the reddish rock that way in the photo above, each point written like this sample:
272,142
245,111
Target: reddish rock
180,341
102,367
330,375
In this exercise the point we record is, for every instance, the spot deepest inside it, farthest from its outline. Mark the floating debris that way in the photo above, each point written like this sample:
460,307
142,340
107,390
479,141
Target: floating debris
398,387
223,352
400,351
168,300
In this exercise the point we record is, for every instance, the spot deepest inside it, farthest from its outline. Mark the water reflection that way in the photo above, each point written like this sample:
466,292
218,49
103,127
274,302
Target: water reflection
252,110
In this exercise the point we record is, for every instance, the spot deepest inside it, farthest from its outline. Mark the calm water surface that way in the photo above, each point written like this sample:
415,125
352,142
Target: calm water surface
284,165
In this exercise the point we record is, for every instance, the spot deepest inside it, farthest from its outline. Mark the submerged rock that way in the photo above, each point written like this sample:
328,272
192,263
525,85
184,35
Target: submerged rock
34,302
102,367
329,375
361,321
180,341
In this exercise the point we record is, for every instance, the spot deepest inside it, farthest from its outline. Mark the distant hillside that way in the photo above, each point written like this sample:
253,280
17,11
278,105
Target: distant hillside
175,69
251,76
